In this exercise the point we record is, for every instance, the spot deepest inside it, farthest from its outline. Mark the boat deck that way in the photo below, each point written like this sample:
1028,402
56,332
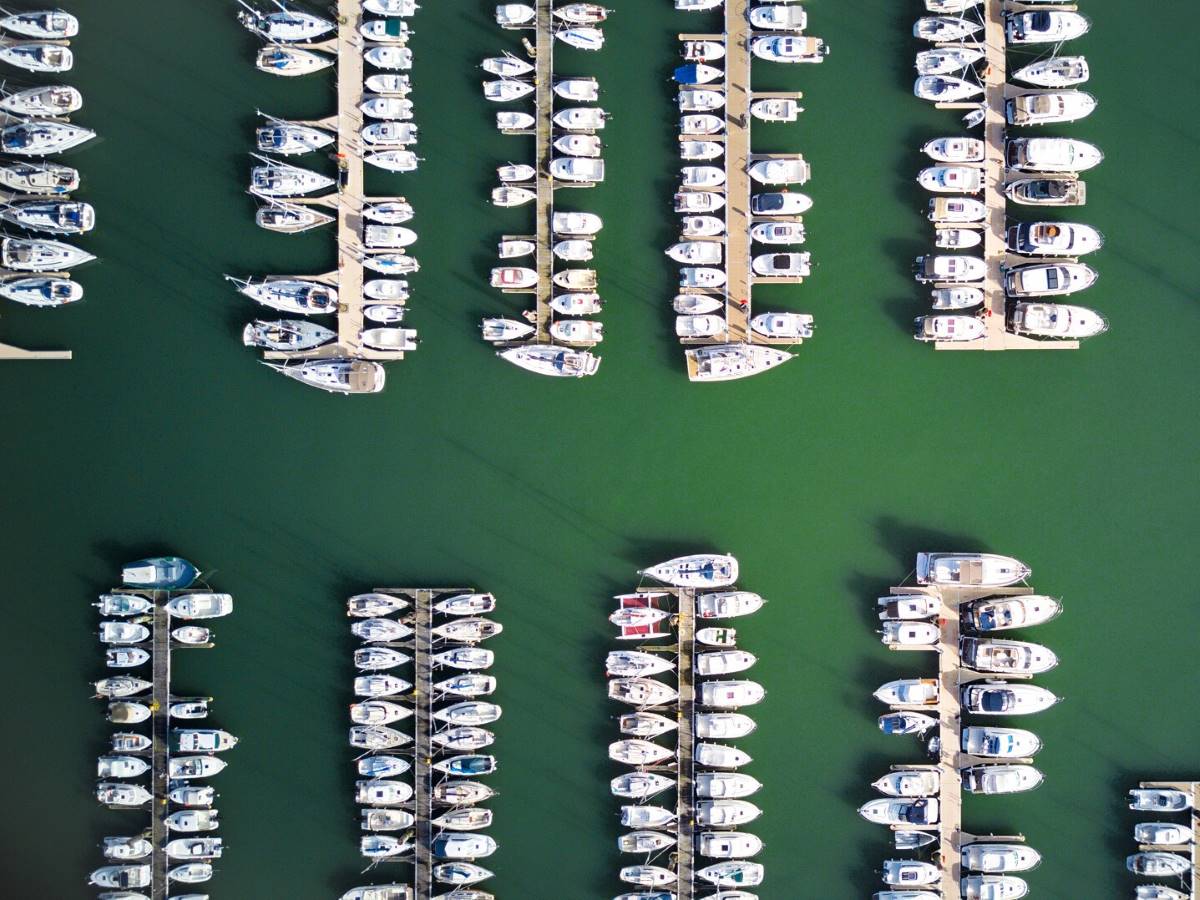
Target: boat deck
952,675
1191,884
995,250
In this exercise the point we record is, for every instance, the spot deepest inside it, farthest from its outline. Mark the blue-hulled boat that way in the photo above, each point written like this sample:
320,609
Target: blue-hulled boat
160,573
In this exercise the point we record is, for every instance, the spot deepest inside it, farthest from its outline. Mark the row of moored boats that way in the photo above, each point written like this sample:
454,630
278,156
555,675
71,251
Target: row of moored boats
126,781
717,803
706,299
1167,846
1042,255
389,762
575,160
35,125
997,758
292,202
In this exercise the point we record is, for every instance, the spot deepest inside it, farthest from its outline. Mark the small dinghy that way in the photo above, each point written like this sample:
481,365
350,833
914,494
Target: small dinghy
290,62
704,51
906,723
191,873
702,176
393,160
573,250
576,303
645,724
391,108
702,226
947,60
467,685
1055,72
122,605
576,279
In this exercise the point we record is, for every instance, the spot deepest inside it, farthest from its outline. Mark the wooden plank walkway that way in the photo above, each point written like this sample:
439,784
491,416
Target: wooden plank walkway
160,742
8,351
350,196
685,848
543,149
422,741
737,178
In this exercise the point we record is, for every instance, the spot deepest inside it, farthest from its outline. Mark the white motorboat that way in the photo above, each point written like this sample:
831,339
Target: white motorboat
730,694
954,150
697,304
788,326
460,873
641,692
503,330
647,875
578,145
200,605
697,4
909,873
288,139
1069,191
780,171
945,88
909,692
390,134
469,712
125,657
1044,27
1158,892
389,57
469,819
513,277
576,224
290,62
205,740
702,150
1000,743
41,137
726,362
505,90
909,783
724,662
389,237
393,108
52,100
698,253
463,738
1055,320
581,13
699,570
388,83
723,726
577,331
125,712
507,66
1049,107
951,179
997,859
380,685
993,887
577,303
729,845
193,795
702,176
126,847
700,100
463,846
184,767
1006,657
38,177
732,874
553,361
514,122
639,752
947,60
1047,279
956,239
956,297
699,326
1001,613
945,29
44,25
121,686
285,26
1157,864
956,210
725,813
382,792
516,172
577,169
731,785
778,233
508,196
897,811
720,756
698,201
778,17
122,605
581,37
974,569
1051,155
780,203
379,891
194,848
120,766
580,118
776,109
781,265
465,658
644,842
191,873
949,328
1162,834
573,250
645,724
121,794
903,633
697,73
906,723
121,876
701,124
951,6
789,49
908,606
727,604
1055,72
47,58
123,633
510,14
1005,698
385,31
1053,239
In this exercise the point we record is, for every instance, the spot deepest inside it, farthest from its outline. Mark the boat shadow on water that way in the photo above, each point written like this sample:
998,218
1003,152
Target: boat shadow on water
904,540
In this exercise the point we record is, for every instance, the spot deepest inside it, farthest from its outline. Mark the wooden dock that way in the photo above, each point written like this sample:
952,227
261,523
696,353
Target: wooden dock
995,245
685,847
160,743
8,351
1191,885
543,152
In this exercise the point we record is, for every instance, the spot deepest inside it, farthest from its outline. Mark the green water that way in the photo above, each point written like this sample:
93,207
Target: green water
825,477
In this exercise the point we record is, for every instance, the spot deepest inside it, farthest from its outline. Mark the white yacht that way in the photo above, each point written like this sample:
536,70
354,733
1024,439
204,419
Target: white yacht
1158,864
777,233
384,846
185,767
1006,699
956,297
732,874
639,752
125,657
38,57
507,66
729,845
121,876
43,25
125,712
641,692
511,14
720,756
500,331
1162,834
123,633
376,737
127,848
1051,155
1000,743
702,176
1066,191
52,100
200,605
375,659
463,846
776,109
1003,778
573,250
699,326
588,145
1053,239
954,150
193,795
576,224
188,709
122,794
468,819
290,62
121,686
42,291
724,662
647,875
282,180
789,49
39,177
947,60
379,685
286,334
697,304
194,848
970,569
378,712
514,122
900,633
730,694
899,811
993,887
1006,657
293,295
466,659
581,37
700,100
909,783
393,108
389,237
956,210
516,172
909,692
580,118
1048,279
645,724
1044,27
780,171
120,766
379,891
908,606
338,376
997,859
780,203
385,31
1159,800
388,83
699,570
951,179
41,137
726,362
389,57
577,169
949,328
581,13
576,303
1056,320
725,813
699,253
284,26
778,17
507,196
723,726
727,604
205,740
470,712
945,29
191,873
290,218
644,841
1055,72
288,138
550,360
505,90
701,124
731,785
464,738
381,792
906,723
945,88
1049,107
1001,613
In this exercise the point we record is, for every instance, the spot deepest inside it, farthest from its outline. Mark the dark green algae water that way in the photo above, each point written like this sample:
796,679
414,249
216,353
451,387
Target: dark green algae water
824,477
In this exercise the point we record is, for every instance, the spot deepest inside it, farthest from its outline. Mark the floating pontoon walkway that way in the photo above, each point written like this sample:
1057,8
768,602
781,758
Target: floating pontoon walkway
1191,884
